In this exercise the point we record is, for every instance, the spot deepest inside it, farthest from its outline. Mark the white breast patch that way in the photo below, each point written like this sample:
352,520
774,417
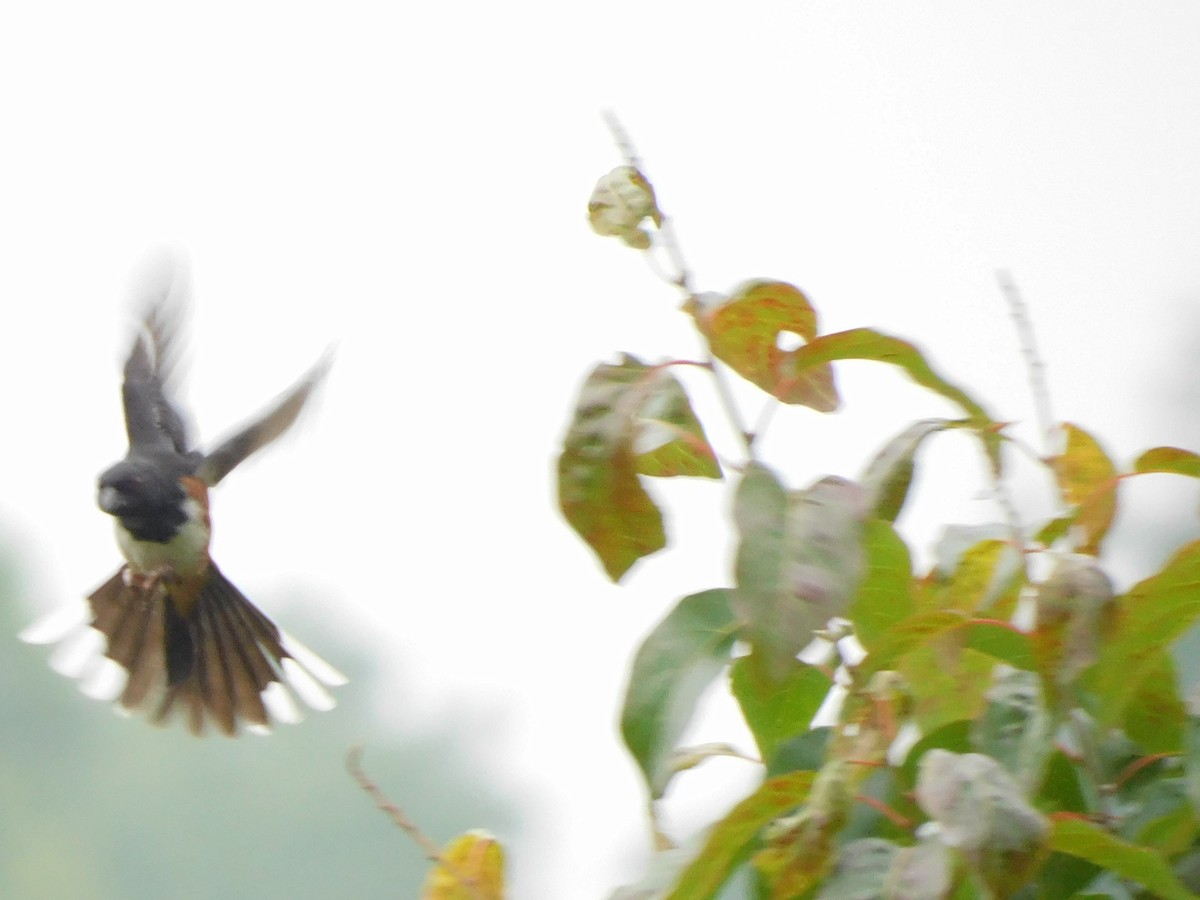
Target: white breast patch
186,553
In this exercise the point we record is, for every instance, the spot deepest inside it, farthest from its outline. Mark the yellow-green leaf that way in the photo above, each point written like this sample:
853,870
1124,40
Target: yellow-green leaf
669,439
731,839
1088,480
868,344
1089,841
471,868
884,594
1150,617
1170,460
750,331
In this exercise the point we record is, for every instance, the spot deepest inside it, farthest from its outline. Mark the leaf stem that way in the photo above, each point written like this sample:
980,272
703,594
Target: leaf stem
896,818
682,279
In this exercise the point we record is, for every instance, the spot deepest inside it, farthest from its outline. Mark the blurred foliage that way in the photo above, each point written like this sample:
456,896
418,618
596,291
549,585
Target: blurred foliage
1012,725
99,807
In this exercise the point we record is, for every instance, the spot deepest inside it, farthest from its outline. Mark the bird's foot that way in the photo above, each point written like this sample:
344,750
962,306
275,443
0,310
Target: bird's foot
148,582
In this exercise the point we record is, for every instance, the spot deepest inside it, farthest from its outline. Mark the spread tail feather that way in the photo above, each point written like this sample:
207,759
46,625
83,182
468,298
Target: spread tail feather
223,663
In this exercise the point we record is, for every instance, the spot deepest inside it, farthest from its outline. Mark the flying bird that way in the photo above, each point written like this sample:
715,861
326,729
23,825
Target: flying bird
169,633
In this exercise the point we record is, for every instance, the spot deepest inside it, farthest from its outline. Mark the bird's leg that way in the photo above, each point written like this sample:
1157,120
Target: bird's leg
148,582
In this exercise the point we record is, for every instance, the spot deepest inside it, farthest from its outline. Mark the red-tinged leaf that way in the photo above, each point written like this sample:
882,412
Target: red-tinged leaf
798,561
1085,840
777,710
1150,617
670,439
1171,460
732,839
1088,480
888,476
598,487
801,848
746,332
884,595
672,668
471,868
867,344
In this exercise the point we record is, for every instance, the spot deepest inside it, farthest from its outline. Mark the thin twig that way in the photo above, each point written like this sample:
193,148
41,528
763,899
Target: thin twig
681,279
1033,360
431,850
1036,368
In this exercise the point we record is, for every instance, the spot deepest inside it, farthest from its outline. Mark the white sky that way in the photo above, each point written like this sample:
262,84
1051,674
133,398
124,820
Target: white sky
411,181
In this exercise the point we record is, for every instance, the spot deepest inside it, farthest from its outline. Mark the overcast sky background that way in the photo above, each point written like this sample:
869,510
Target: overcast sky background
411,182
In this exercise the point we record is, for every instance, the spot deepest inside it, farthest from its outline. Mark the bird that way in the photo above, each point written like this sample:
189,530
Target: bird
169,633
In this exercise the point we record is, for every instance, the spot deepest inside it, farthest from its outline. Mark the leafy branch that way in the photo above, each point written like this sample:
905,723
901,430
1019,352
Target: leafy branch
996,732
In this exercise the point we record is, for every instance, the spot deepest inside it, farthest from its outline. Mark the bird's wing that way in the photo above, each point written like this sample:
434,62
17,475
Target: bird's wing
264,429
152,421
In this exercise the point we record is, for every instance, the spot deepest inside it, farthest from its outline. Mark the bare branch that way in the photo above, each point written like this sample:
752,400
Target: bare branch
1033,360
431,850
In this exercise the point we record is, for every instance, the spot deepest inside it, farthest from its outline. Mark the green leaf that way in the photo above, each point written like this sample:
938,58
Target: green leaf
598,487
1085,840
1151,616
804,752
1001,641
867,344
670,439
1015,728
862,867
777,710
1191,761
1156,715
884,594
986,580
888,476
906,636
798,561
672,668
998,640
1088,480
947,681
1054,529
746,332
731,839
1062,787
1171,460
